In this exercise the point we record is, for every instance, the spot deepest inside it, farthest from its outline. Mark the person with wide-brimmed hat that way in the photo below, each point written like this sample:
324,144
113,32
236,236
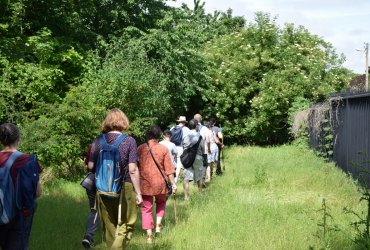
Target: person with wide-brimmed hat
178,133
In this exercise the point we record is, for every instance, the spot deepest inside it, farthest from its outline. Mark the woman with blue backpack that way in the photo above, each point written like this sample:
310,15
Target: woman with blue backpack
113,158
19,188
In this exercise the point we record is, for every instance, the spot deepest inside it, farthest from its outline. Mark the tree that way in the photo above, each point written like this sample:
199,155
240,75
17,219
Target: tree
256,74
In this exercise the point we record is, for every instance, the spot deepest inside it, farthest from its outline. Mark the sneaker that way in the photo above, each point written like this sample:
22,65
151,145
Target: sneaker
87,242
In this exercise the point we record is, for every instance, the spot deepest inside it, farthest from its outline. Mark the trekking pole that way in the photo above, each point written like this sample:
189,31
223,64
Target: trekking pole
223,156
174,206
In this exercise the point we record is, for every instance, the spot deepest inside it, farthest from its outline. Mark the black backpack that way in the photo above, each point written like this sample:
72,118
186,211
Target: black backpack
176,135
188,156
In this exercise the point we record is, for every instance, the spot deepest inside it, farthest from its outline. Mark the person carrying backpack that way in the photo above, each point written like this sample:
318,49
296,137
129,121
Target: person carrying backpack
218,135
194,172
178,134
19,188
114,159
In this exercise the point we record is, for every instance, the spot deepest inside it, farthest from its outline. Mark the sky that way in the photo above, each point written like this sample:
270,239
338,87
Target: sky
343,23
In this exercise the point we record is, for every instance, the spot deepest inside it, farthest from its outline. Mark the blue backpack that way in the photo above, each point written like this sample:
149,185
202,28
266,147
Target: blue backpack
107,170
7,192
176,137
22,198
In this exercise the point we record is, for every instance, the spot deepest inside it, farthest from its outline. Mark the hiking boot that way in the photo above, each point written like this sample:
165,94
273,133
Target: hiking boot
87,242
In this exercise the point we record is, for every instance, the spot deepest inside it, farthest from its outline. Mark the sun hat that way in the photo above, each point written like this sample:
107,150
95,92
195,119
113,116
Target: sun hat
182,119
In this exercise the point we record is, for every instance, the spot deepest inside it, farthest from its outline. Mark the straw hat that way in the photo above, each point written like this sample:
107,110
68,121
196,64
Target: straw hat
182,119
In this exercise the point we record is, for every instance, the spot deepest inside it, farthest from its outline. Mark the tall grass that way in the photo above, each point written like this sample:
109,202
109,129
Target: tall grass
268,198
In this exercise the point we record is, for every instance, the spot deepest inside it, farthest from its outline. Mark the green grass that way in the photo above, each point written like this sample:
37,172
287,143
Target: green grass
268,198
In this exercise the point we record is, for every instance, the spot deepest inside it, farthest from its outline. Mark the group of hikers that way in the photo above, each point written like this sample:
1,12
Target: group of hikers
121,177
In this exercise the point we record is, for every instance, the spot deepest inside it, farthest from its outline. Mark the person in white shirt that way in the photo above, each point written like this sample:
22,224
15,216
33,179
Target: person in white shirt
170,145
212,152
181,122
204,132
193,173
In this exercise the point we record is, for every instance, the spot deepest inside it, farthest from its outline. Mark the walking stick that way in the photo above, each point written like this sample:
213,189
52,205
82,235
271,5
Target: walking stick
222,155
174,206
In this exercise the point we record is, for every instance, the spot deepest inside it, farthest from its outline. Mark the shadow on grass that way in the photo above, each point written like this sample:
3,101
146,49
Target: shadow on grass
60,221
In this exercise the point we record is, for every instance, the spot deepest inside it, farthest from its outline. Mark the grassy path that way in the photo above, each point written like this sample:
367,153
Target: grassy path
268,199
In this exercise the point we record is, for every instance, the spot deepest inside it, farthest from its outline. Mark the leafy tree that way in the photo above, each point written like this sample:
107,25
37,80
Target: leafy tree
61,136
256,74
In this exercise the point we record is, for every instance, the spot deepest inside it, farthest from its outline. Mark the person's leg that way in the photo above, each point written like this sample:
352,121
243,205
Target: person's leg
179,165
147,217
131,211
146,212
218,170
214,153
204,169
93,220
210,165
10,238
128,217
188,176
11,234
208,172
198,167
160,201
3,236
178,170
186,189
108,210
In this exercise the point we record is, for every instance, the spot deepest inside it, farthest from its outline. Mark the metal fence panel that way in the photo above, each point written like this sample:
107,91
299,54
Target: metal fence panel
350,119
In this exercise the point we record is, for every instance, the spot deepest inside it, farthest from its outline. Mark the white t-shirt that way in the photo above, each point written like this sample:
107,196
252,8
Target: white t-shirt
172,148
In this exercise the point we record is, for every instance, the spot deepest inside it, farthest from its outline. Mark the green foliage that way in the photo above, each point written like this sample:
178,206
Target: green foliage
298,115
326,227
61,137
62,69
259,72
24,86
362,219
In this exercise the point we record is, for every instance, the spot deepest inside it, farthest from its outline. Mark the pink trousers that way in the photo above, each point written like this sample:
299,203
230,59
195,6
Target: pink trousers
147,208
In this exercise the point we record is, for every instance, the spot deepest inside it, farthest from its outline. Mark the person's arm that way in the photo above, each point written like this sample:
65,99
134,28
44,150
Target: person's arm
208,141
90,165
135,178
173,184
174,151
91,155
38,189
218,140
169,170
186,142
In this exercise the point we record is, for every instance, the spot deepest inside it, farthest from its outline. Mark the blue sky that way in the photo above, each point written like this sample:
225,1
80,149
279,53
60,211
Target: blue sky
343,23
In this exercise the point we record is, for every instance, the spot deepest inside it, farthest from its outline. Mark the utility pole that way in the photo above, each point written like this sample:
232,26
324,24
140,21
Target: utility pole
366,66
